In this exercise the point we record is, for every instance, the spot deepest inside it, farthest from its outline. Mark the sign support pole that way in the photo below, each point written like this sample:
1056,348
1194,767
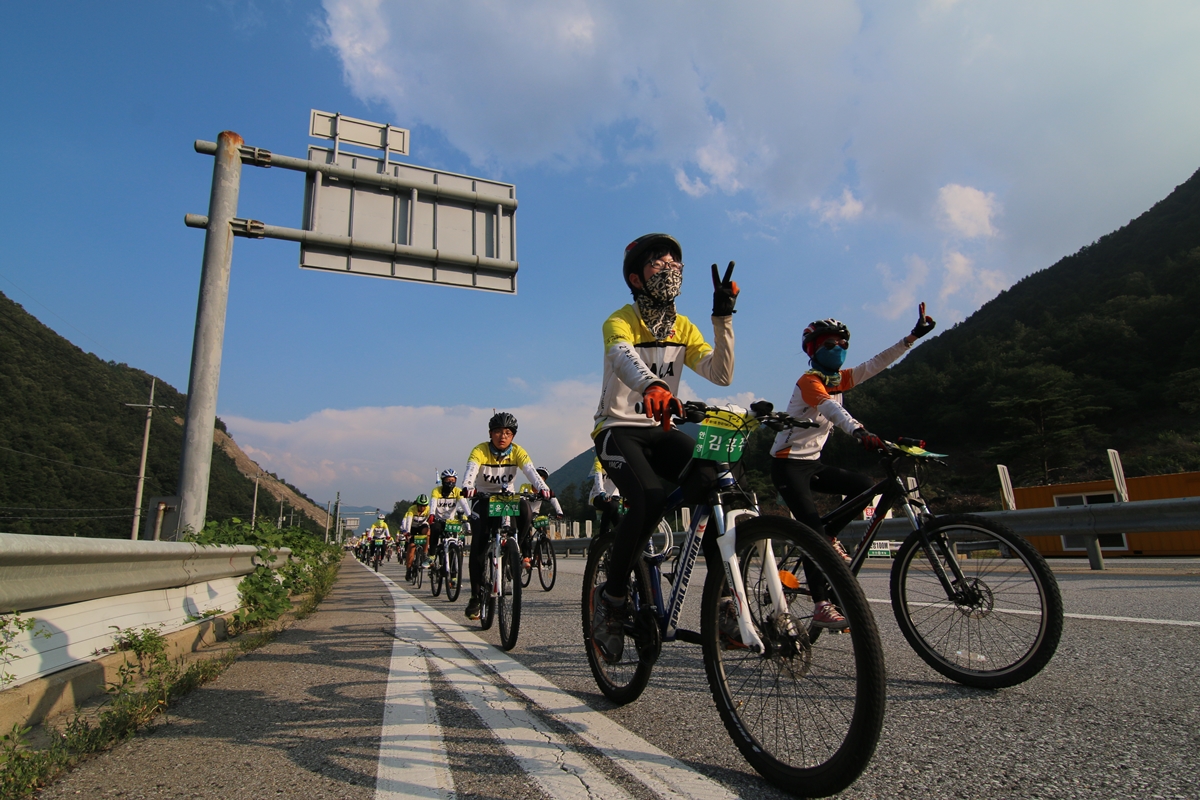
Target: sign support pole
205,376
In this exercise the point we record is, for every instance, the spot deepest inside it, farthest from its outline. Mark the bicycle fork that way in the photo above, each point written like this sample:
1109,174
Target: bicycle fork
727,542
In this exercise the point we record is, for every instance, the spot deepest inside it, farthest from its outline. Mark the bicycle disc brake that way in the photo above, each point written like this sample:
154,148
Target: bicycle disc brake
788,643
976,601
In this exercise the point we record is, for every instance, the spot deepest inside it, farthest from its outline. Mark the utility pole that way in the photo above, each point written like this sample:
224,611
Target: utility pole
254,513
327,505
280,523
196,463
337,514
137,502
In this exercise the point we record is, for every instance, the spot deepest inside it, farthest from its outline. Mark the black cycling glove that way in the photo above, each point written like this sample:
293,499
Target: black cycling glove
924,324
725,292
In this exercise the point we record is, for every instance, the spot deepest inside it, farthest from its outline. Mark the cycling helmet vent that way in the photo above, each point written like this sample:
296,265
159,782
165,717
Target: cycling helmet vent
449,473
422,500
820,329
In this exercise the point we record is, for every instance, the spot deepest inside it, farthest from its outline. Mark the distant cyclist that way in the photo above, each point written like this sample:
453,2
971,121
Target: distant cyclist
447,499
646,346
377,535
493,465
605,497
797,469
535,507
415,526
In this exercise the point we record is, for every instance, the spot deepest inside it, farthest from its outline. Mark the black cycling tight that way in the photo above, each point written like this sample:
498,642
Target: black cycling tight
481,536
638,460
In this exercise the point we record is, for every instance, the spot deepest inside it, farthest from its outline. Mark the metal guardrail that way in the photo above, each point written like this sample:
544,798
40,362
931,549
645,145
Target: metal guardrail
41,571
1138,516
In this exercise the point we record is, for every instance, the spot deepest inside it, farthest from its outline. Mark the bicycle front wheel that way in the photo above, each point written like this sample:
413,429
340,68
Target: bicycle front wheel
998,630
807,716
454,573
508,604
622,679
418,571
436,570
525,570
547,565
487,614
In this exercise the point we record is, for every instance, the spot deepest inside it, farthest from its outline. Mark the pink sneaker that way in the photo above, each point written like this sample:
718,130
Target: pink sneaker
841,551
826,615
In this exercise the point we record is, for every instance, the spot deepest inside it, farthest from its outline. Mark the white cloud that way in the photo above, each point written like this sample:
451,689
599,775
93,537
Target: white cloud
961,274
844,209
967,212
375,456
901,291
693,186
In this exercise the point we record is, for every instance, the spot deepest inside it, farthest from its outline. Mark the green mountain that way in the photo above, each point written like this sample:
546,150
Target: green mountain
70,447
1100,350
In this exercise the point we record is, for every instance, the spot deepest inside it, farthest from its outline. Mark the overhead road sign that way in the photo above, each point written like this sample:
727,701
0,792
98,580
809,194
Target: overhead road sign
340,128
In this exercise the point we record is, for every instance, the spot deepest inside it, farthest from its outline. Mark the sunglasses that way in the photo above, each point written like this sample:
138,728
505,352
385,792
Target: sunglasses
831,343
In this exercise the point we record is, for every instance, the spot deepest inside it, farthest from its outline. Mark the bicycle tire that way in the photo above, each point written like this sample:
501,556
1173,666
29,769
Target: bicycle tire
547,563
454,574
624,680
972,641
807,718
526,572
418,572
508,604
435,572
487,611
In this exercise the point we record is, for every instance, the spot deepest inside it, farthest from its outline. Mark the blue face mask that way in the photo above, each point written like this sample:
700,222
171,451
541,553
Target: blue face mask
830,359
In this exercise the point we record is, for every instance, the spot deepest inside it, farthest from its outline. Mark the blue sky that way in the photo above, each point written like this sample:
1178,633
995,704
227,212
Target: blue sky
854,158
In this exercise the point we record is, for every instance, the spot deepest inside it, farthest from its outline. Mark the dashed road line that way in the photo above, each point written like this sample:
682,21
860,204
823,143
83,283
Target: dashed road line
1101,617
493,683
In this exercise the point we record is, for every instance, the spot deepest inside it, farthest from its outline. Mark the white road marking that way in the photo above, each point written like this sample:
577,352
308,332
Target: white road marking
1103,618
545,756
412,754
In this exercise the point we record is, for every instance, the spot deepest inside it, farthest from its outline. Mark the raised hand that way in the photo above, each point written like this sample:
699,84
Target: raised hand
725,292
924,324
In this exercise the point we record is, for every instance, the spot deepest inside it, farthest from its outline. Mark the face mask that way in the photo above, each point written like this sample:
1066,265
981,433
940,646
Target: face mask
830,359
664,285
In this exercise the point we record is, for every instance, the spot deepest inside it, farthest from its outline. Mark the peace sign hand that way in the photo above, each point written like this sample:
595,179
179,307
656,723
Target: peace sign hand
725,292
924,324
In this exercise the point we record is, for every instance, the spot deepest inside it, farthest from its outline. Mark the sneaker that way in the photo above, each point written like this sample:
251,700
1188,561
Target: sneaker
608,626
727,625
826,615
841,551
472,611
527,562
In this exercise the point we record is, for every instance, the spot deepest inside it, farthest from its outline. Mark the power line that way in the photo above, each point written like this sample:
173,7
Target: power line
69,464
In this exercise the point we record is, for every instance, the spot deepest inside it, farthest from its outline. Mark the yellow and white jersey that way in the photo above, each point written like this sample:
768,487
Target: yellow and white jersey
415,513
444,505
377,531
600,482
634,360
492,471
536,505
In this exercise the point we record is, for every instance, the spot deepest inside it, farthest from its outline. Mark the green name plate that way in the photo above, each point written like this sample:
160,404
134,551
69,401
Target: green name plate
719,444
500,505
453,527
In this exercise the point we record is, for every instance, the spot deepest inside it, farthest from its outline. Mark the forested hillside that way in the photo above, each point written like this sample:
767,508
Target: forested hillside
69,447
1100,350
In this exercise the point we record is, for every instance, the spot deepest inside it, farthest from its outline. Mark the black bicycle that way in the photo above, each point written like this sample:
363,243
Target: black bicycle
446,566
541,556
806,714
975,600
502,568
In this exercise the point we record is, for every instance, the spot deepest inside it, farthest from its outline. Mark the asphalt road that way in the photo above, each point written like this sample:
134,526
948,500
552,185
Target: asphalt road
1115,714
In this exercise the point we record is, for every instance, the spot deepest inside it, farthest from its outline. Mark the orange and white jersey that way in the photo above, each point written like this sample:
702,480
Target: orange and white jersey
813,400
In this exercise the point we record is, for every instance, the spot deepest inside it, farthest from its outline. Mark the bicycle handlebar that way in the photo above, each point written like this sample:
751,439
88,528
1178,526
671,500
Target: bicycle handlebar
763,411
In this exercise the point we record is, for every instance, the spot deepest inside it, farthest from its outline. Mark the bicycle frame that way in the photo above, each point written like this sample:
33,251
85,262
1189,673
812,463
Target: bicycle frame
668,609
893,492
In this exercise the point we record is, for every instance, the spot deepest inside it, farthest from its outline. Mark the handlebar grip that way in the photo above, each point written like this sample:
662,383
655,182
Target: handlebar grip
762,408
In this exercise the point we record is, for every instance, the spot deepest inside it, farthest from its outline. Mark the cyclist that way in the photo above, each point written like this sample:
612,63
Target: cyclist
447,499
415,525
797,470
535,507
378,536
646,346
494,464
605,497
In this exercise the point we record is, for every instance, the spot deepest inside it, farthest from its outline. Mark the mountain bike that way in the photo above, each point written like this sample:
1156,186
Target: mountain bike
447,562
541,556
376,557
502,569
806,714
975,600
416,548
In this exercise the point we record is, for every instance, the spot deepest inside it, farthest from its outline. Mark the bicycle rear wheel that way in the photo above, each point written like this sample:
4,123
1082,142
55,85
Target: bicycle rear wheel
1000,629
454,573
806,716
622,680
508,604
526,571
418,571
546,563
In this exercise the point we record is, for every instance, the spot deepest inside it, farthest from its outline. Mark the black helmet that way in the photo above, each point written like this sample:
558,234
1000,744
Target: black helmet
821,328
641,247
503,419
